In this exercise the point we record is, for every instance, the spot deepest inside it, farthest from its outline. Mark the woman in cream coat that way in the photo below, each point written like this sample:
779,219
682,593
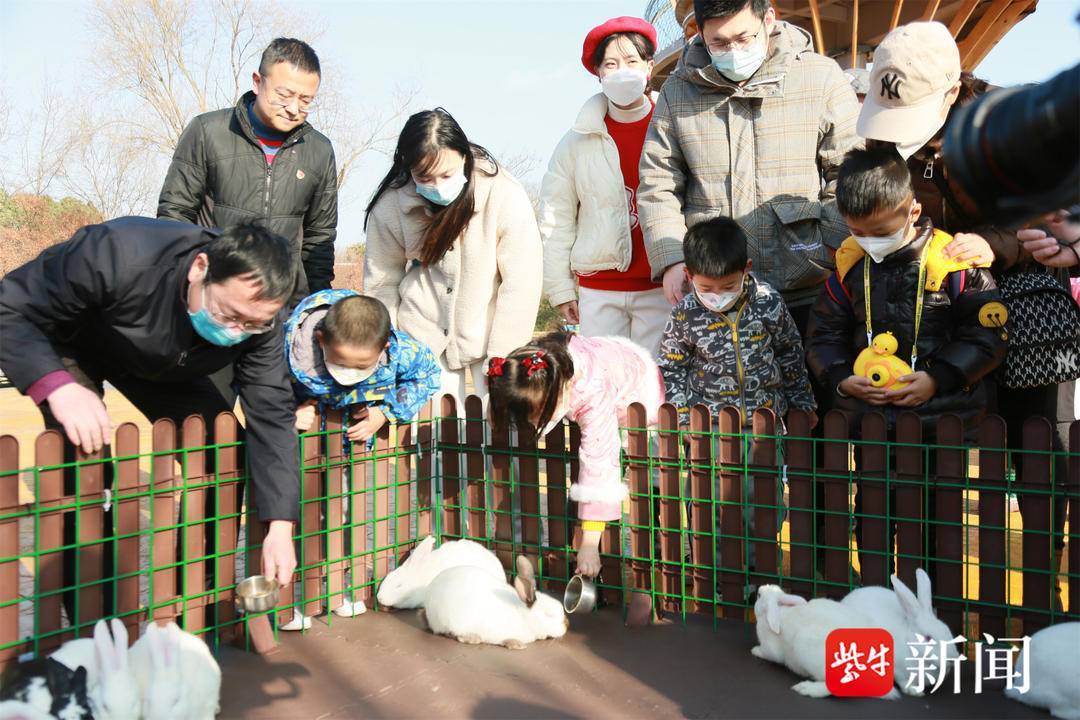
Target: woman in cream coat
453,250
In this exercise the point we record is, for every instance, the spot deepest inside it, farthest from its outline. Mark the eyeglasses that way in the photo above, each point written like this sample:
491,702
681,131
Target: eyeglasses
739,43
252,328
285,99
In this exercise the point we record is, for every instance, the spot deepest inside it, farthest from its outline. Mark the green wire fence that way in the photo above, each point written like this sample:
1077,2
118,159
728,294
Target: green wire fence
714,511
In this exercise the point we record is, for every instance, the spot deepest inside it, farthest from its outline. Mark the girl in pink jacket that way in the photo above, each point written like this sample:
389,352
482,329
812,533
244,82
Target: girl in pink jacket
590,381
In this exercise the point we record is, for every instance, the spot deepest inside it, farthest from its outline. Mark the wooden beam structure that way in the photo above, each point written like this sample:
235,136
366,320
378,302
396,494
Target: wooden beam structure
854,34
962,16
848,29
895,20
815,18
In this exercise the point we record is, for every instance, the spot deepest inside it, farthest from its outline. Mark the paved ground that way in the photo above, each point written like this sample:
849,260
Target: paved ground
383,665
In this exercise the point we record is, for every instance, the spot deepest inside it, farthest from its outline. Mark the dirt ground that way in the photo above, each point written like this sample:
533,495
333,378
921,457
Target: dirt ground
384,665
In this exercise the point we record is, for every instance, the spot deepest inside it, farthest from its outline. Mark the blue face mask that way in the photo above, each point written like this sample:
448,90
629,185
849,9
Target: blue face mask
443,193
214,332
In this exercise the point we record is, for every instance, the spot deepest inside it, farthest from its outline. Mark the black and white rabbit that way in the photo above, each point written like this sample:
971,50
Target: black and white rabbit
45,686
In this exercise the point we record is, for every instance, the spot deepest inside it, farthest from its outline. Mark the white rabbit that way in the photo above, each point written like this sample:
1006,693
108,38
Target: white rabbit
406,585
470,604
1054,655
906,616
792,632
177,673
110,684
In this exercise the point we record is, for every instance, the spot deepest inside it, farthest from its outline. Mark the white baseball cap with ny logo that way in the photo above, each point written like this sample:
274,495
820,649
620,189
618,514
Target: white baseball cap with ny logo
915,66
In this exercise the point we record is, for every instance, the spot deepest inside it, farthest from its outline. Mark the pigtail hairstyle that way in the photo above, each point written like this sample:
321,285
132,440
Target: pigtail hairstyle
530,377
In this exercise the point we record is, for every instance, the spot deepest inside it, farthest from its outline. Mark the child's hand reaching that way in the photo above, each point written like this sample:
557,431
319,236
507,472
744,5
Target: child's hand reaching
921,388
370,420
588,554
861,388
305,415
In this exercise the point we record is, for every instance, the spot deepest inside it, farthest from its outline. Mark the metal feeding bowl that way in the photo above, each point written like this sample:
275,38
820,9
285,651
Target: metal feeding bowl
257,593
580,595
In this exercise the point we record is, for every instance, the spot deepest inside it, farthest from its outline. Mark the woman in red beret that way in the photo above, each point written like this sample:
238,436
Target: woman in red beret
596,271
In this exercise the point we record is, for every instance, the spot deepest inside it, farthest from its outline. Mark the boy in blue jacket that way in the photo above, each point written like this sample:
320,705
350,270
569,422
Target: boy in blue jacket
344,353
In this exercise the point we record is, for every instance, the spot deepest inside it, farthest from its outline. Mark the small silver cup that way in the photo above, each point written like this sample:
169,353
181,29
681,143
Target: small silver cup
257,593
580,595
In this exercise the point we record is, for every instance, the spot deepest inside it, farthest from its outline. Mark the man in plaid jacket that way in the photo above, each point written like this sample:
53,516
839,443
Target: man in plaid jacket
751,125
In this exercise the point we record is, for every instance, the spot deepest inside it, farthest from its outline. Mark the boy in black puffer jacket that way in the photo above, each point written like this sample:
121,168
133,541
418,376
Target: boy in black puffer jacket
892,277
922,298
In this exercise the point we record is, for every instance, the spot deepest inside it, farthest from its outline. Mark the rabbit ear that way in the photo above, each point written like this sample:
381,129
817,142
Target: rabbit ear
777,601
789,600
922,587
155,638
421,551
171,643
525,582
103,647
120,643
908,602
772,613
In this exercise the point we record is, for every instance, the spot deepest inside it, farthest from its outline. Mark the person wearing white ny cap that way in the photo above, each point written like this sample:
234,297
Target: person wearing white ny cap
915,82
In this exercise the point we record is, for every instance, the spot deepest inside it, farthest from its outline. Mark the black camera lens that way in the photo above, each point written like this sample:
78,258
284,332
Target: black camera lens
1014,152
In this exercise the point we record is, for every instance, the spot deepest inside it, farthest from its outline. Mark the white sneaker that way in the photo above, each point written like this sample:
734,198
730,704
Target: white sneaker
298,622
350,608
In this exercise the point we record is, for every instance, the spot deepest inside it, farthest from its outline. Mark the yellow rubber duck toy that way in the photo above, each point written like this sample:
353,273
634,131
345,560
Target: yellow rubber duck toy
880,364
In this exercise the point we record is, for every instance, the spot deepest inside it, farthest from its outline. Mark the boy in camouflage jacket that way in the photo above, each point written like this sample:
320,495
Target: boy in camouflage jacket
731,342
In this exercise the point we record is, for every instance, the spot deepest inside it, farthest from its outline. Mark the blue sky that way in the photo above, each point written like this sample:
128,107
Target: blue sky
508,70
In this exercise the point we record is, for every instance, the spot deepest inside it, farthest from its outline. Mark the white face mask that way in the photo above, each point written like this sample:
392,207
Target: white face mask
880,248
350,376
740,64
625,86
720,302
906,150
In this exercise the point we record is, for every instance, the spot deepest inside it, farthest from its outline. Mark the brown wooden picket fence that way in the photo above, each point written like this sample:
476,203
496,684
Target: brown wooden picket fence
183,536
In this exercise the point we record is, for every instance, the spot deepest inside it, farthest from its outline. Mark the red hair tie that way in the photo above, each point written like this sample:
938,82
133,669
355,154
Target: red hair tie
495,366
534,363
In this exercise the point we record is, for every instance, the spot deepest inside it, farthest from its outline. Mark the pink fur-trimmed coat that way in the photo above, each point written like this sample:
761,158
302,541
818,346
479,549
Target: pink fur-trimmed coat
609,374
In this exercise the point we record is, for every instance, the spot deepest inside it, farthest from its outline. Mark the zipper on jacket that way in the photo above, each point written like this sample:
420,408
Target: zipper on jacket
266,196
738,358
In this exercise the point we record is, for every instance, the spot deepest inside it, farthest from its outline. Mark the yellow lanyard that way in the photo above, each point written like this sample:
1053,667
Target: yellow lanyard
918,302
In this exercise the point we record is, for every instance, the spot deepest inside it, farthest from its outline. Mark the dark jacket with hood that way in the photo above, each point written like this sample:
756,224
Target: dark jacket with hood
954,347
219,177
115,293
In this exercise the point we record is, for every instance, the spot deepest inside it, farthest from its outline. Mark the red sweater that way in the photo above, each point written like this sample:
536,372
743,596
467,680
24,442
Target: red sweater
629,139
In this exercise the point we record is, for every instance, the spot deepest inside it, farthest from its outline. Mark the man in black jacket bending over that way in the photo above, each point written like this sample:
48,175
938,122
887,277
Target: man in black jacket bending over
262,160
154,307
